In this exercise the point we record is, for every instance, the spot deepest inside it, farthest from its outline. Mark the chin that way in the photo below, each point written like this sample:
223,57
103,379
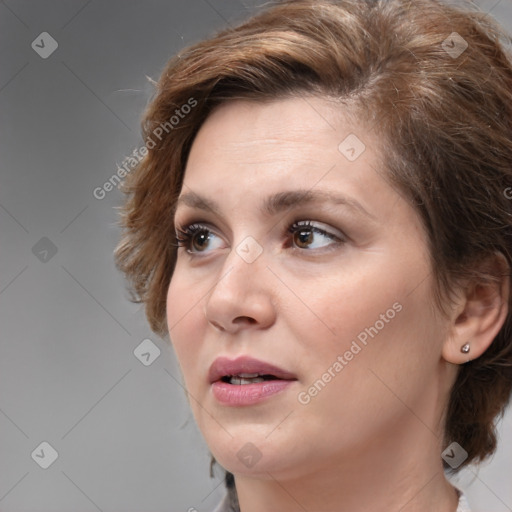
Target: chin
251,452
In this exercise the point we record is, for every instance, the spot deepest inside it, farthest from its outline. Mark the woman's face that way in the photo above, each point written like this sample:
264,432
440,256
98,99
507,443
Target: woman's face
307,259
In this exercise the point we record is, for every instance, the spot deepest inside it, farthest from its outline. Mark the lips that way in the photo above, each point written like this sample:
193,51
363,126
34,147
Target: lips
224,368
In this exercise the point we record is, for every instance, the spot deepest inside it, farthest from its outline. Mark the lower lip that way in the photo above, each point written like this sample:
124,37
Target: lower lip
247,394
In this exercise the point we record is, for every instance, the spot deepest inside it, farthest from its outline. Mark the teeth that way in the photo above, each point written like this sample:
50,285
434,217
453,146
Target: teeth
241,381
248,375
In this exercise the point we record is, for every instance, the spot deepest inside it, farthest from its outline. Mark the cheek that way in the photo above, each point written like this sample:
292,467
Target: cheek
185,320
345,305
385,364
380,320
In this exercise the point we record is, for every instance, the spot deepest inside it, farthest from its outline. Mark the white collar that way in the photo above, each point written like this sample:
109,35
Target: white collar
463,504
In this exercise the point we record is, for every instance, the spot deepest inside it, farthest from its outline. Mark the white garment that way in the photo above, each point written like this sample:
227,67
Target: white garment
463,504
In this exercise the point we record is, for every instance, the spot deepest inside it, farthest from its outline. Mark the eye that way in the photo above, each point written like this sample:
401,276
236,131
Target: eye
194,237
305,235
198,238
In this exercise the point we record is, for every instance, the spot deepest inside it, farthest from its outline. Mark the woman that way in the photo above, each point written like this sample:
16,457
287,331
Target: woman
320,222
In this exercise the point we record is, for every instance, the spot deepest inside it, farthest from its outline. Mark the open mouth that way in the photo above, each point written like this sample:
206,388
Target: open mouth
247,378
235,387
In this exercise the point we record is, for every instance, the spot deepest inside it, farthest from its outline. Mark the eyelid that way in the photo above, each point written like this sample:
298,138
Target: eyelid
195,225
184,237
319,227
188,222
188,230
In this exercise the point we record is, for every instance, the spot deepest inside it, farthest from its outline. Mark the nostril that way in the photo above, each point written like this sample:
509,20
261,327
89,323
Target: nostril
243,319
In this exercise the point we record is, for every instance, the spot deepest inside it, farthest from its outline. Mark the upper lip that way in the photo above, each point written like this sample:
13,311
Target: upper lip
222,366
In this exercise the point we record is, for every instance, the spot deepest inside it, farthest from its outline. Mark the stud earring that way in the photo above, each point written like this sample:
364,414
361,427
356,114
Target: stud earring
465,348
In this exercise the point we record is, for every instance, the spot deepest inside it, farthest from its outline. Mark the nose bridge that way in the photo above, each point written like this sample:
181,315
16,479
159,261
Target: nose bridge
245,265
241,290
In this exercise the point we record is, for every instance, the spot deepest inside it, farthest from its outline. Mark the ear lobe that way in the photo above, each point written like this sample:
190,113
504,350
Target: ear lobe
481,314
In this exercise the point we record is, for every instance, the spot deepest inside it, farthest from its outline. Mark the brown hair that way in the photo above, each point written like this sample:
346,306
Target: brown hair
444,111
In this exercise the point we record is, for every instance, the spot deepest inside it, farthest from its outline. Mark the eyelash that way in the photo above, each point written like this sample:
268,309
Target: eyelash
185,235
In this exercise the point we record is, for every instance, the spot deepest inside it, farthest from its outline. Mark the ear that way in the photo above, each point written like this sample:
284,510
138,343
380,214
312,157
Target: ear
481,311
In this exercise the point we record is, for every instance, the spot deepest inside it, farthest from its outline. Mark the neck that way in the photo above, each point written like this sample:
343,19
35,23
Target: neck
403,473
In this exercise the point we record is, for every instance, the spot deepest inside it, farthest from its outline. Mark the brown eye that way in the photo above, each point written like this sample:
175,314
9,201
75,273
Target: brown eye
199,240
303,238
307,236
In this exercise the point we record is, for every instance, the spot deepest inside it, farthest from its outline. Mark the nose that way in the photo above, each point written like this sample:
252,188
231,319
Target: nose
241,297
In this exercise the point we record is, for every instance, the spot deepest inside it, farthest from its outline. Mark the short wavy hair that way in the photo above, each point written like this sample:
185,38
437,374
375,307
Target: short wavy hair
434,80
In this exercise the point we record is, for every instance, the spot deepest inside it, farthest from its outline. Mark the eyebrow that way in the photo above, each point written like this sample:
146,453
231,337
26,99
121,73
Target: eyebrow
278,202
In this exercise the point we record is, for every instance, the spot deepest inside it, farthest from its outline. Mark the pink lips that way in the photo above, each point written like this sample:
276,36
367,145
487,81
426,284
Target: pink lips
246,394
222,366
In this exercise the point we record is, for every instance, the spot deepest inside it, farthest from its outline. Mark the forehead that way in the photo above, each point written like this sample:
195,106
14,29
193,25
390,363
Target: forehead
261,144
241,127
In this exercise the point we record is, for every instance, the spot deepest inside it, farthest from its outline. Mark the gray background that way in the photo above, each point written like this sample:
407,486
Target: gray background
125,438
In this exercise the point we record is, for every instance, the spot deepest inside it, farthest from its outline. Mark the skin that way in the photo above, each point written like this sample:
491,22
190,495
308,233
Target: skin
377,425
